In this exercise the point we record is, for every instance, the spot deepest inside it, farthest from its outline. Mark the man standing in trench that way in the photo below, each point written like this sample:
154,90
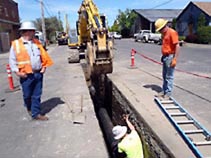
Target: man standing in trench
170,51
129,144
29,60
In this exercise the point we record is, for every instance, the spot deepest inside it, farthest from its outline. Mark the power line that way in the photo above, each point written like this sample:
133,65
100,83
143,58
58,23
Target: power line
47,9
164,3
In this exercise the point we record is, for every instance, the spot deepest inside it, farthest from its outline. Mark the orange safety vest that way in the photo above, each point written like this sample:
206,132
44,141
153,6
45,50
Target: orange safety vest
23,58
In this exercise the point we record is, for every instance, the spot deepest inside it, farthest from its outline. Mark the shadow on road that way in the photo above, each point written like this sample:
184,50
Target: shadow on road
154,87
48,105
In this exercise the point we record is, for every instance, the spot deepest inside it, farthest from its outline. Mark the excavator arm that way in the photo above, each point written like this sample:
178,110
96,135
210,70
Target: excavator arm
93,38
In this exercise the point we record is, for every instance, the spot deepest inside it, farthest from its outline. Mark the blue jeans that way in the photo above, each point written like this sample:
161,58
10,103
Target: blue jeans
32,90
168,74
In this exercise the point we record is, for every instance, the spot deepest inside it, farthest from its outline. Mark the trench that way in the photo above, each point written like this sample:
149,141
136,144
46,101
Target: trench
110,105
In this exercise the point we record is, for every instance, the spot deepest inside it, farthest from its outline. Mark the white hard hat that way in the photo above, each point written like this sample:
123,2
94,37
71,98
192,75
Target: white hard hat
119,131
27,25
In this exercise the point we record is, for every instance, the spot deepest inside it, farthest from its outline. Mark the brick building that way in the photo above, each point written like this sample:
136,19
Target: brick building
9,23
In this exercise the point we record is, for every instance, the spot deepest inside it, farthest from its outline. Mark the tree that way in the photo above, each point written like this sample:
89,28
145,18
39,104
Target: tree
201,21
203,31
204,34
114,27
52,25
124,22
174,22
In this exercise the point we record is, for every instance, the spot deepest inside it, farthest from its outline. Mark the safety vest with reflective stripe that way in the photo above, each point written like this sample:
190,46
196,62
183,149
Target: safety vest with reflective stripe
23,58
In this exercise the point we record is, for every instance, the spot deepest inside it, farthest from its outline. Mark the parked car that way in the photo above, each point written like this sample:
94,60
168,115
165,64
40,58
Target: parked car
115,35
135,34
155,37
141,35
147,36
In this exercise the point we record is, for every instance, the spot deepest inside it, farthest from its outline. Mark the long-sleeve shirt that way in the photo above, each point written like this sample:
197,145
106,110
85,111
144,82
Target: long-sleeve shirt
34,53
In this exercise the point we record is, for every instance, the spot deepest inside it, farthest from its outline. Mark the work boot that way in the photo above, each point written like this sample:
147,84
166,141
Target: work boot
160,94
29,112
166,97
41,117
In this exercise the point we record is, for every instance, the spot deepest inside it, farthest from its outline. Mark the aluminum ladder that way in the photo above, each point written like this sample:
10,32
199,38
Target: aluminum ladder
193,133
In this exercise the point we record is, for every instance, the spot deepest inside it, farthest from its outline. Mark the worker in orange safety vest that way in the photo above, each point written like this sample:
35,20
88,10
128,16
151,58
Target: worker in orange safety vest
29,60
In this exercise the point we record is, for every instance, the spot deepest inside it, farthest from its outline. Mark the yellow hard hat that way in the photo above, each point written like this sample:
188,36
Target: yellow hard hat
160,23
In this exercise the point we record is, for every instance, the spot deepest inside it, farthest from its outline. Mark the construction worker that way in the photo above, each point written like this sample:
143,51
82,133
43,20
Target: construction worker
129,145
170,51
29,60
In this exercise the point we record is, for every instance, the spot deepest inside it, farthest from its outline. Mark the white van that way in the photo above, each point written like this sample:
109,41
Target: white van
39,35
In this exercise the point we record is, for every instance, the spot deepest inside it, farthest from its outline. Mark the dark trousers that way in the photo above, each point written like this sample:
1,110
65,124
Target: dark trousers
32,90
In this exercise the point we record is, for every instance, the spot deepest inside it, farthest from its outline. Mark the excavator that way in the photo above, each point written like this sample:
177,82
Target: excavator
93,39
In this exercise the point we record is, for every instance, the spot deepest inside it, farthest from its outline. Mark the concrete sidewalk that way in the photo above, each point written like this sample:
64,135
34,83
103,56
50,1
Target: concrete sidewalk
140,95
140,85
64,91
139,88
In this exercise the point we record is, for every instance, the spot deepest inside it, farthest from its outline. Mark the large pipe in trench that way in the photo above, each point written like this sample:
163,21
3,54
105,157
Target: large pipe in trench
105,121
106,126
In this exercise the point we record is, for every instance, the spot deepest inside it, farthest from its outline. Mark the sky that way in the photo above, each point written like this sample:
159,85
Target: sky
31,10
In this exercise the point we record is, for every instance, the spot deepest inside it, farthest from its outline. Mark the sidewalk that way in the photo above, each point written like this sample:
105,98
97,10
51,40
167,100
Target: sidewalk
194,45
139,88
62,136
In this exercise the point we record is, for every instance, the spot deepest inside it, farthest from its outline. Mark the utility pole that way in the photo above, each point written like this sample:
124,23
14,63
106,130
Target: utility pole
60,24
43,20
67,26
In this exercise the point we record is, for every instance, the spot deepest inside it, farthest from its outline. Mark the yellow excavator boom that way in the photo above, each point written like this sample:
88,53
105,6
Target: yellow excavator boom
93,38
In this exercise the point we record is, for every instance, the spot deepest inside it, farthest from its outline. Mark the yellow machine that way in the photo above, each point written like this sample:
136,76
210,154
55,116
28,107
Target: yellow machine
93,38
73,39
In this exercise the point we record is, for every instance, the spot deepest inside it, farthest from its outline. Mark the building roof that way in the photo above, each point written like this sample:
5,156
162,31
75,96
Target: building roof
153,14
205,6
12,1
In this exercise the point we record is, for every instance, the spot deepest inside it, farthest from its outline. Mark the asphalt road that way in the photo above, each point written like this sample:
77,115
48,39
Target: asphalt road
191,87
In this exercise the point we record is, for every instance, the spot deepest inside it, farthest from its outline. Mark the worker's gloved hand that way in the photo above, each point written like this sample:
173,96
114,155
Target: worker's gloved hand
173,62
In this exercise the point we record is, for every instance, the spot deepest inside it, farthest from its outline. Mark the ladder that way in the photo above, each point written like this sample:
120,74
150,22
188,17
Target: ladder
193,133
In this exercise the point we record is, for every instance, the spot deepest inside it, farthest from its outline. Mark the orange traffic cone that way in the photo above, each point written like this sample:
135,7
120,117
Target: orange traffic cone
10,80
133,52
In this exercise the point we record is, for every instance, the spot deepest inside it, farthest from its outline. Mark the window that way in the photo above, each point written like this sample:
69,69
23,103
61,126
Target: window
13,14
1,10
6,12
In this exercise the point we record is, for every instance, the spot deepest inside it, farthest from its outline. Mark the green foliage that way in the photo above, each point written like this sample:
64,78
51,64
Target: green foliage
114,27
182,38
124,22
201,20
52,25
174,22
204,34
